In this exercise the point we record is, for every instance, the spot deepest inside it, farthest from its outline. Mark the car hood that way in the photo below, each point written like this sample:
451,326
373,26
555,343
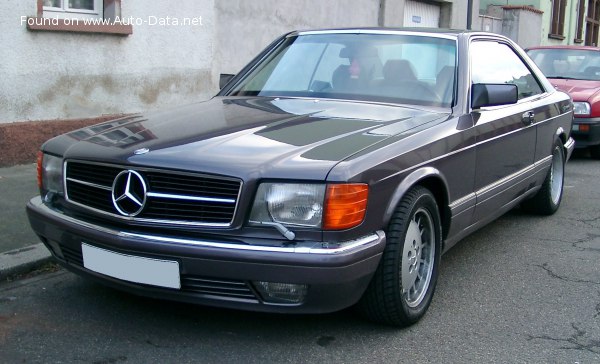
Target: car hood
579,90
245,137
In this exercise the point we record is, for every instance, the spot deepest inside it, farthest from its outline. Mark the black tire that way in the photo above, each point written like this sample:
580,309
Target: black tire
385,300
547,200
595,151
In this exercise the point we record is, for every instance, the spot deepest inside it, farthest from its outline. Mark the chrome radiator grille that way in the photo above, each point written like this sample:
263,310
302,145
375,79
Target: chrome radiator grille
152,195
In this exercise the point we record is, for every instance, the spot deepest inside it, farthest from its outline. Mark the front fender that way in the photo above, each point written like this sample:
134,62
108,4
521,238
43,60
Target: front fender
427,176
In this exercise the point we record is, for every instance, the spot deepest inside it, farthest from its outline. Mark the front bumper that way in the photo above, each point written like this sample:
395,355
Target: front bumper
586,138
219,273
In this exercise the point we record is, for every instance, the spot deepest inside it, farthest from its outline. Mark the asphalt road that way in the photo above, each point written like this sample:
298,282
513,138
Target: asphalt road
523,289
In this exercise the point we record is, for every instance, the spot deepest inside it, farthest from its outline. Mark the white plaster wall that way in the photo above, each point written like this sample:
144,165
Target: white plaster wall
52,75
530,24
47,75
246,27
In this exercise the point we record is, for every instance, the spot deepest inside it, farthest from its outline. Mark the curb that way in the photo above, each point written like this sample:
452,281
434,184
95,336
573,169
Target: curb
23,260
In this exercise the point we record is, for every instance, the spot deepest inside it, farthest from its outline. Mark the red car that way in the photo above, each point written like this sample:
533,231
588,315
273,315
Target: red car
576,71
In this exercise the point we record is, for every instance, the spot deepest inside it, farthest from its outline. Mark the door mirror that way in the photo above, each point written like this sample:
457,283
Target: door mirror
487,94
224,79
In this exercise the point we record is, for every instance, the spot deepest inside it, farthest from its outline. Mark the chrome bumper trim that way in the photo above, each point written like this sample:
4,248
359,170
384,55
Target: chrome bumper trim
325,248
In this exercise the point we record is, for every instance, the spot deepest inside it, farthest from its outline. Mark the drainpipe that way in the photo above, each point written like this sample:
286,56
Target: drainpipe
381,15
570,32
469,14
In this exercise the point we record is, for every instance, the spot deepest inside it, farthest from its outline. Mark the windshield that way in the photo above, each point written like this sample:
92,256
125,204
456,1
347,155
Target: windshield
373,67
568,63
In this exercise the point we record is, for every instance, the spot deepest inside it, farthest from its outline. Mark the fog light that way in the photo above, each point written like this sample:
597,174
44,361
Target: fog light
281,292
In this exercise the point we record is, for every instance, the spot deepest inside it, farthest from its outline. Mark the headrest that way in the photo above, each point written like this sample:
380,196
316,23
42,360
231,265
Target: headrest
399,69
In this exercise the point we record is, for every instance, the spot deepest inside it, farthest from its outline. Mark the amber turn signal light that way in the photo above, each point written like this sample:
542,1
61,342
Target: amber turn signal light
345,205
40,159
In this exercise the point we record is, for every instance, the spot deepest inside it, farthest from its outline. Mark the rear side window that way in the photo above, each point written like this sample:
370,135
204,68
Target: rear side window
493,62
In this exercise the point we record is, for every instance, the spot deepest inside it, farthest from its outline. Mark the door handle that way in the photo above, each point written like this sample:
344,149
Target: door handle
528,118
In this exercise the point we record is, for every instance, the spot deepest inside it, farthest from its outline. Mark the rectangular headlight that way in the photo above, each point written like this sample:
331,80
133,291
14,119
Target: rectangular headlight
581,108
50,174
331,207
296,204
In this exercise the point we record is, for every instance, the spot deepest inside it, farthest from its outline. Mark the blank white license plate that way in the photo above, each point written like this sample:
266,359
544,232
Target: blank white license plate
155,272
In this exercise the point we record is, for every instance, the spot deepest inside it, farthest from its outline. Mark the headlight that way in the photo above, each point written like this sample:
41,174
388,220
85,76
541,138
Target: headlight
332,207
581,108
289,204
50,177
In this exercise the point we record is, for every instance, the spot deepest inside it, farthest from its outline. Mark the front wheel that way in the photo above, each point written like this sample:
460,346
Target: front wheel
548,198
403,285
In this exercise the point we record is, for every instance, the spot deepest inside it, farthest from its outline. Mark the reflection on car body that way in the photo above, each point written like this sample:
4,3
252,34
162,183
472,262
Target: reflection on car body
333,170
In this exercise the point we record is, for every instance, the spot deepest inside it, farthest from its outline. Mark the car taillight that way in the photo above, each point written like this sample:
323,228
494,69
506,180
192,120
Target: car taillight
40,161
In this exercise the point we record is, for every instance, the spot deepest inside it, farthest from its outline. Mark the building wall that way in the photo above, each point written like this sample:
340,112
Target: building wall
522,26
60,75
570,23
245,27
571,18
458,13
49,75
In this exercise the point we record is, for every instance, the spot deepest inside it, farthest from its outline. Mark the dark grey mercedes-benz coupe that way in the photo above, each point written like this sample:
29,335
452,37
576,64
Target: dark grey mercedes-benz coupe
333,170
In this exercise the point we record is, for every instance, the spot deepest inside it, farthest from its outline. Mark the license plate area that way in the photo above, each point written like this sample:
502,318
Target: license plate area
131,268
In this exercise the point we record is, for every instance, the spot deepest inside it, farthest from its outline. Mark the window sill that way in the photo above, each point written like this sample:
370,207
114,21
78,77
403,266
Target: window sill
577,41
76,26
556,36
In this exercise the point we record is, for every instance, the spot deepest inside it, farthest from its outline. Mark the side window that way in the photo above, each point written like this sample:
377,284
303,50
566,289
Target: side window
493,62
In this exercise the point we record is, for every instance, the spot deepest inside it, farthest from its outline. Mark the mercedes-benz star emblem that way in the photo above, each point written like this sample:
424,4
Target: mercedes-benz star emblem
129,193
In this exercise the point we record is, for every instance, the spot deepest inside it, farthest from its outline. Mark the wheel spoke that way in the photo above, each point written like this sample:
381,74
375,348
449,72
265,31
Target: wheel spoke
418,257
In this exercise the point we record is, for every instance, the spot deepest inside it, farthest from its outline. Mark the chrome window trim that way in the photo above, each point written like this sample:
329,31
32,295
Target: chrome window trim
376,32
146,169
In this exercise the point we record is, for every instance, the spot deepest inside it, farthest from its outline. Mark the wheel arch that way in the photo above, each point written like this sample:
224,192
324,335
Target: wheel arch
432,179
564,137
561,134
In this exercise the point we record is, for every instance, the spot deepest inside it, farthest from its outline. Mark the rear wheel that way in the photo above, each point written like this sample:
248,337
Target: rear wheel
405,280
548,198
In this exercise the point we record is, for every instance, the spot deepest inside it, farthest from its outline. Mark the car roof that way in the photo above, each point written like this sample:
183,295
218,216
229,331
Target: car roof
433,32
576,47
375,30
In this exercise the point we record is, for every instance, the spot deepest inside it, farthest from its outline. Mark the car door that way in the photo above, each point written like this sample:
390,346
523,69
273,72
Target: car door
505,135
